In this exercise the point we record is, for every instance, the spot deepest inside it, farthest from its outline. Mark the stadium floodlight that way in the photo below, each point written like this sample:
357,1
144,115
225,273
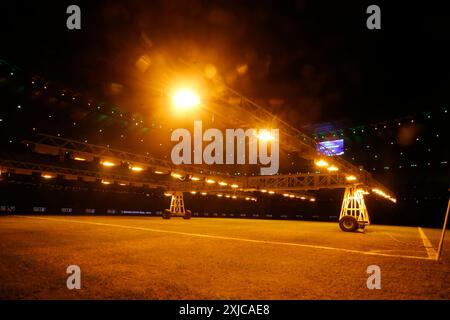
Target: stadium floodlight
350,178
264,135
136,169
176,175
321,163
210,181
332,168
108,163
185,98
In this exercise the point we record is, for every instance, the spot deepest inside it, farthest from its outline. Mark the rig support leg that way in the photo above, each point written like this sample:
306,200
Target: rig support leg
354,213
177,208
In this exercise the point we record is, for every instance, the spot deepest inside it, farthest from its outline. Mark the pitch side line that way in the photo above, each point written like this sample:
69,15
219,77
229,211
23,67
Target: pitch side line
199,235
427,244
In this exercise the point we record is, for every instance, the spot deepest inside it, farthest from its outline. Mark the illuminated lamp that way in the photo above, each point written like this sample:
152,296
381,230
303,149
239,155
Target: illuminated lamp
264,135
184,99
321,163
136,169
108,164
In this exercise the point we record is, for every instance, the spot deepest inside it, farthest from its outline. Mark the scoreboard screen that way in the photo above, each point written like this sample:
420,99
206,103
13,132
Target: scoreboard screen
332,147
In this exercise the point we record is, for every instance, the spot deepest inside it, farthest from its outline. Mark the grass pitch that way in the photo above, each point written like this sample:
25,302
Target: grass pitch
212,258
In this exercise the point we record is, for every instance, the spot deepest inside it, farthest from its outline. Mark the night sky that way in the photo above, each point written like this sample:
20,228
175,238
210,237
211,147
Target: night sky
311,61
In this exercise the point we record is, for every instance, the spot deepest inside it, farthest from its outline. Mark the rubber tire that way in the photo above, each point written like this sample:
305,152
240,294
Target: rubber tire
348,224
187,215
166,214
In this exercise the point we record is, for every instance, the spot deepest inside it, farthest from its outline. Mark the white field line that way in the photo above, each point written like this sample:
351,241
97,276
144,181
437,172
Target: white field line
432,255
370,253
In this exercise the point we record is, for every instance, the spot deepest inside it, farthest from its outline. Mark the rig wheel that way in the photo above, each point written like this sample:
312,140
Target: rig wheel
166,214
348,224
187,215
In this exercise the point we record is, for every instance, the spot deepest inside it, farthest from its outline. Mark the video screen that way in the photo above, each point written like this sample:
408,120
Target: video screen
332,148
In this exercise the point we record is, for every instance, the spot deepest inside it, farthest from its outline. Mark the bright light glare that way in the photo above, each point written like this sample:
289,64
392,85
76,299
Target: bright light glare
264,135
79,159
176,175
332,168
383,194
350,178
222,183
136,168
322,163
234,186
195,178
184,99
210,181
47,176
108,164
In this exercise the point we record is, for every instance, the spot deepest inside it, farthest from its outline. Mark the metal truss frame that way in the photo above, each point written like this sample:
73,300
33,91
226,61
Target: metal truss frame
27,168
58,145
281,182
